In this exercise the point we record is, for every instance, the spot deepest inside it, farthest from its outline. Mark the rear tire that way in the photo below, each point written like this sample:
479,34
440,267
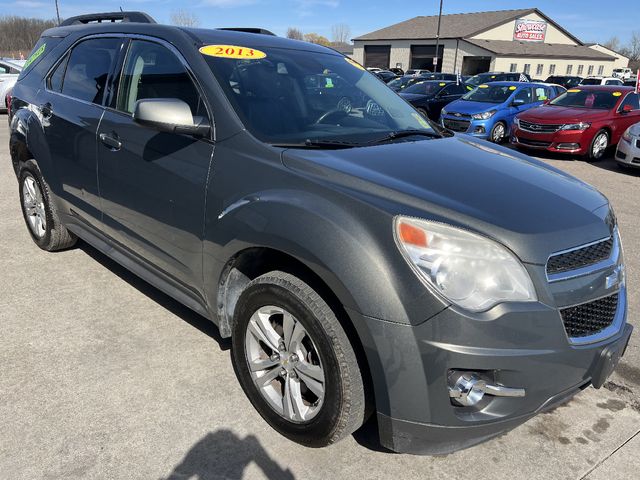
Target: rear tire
275,377
39,211
598,146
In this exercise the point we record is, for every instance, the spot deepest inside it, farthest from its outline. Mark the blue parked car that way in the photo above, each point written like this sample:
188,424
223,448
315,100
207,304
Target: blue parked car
488,111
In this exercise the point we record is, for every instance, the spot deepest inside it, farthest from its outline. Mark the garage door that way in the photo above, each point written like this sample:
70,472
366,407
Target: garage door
377,56
422,57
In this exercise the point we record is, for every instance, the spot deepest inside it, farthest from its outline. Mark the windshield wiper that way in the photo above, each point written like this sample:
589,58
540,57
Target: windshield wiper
405,133
319,144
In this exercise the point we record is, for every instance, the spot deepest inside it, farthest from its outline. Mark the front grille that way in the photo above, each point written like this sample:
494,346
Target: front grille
533,143
538,127
580,257
457,125
589,318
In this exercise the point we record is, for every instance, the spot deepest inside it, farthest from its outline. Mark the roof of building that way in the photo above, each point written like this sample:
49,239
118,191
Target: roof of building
593,45
344,48
540,50
457,25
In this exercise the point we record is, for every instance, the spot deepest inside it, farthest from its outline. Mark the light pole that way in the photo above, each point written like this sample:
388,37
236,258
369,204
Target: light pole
57,12
436,58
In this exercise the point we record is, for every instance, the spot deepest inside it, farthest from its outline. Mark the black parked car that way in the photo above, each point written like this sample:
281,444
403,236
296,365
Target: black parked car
385,75
567,81
439,76
400,83
398,71
430,96
361,261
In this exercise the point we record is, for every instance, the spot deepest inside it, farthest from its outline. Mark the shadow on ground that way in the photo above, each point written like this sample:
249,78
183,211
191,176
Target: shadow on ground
192,318
224,455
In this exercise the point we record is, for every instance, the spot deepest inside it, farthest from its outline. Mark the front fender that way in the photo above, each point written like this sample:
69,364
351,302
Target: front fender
349,246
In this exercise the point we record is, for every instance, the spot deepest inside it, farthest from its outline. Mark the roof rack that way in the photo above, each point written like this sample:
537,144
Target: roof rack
259,31
110,17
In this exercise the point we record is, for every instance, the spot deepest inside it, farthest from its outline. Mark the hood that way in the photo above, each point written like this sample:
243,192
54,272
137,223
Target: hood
470,108
552,114
532,208
412,97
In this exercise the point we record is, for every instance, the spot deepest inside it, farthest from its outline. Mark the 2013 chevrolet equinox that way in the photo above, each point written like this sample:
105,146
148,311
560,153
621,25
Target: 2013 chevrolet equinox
360,258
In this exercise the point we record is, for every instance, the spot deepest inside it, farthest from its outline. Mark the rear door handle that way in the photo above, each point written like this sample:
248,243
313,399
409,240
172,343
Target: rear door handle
112,142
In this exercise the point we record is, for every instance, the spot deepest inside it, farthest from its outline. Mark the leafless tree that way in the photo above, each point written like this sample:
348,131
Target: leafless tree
631,50
20,34
184,18
295,34
612,44
315,38
341,33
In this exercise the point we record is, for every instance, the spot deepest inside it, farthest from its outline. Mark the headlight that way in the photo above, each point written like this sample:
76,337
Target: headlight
626,136
516,121
467,269
576,126
484,115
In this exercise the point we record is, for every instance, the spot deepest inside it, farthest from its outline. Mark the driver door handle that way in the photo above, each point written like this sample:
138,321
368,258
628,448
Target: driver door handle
111,142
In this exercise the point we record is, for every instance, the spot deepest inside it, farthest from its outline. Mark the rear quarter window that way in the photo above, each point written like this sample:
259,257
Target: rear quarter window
43,47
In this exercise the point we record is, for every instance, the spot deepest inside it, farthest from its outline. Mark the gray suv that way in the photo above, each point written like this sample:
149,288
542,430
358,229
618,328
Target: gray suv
361,259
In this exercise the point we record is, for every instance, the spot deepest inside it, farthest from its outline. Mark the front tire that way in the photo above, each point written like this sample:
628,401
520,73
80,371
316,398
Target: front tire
598,146
498,132
39,212
295,362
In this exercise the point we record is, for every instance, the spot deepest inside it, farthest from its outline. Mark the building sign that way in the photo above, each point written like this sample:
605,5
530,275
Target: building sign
530,30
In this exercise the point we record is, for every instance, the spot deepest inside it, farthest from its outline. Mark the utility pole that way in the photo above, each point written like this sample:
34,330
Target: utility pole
436,58
57,12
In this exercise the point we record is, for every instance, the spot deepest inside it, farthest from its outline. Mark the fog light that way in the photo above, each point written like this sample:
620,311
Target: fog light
568,146
468,389
479,130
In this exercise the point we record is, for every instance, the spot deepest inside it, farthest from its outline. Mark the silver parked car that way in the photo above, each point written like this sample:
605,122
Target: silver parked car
628,153
9,71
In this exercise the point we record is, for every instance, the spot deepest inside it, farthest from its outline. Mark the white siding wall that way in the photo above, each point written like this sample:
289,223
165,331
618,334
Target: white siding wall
621,61
503,64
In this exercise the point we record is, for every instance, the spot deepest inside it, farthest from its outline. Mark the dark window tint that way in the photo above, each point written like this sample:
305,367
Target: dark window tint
613,82
152,71
57,76
454,89
631,99
88,68
523,95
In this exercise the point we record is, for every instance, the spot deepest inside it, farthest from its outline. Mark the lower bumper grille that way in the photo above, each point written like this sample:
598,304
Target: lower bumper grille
590,318
457,125
533,143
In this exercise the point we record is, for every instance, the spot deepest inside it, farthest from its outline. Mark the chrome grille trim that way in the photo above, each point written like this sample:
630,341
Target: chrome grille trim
538,127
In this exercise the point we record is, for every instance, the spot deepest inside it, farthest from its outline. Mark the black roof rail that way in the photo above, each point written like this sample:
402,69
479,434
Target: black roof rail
135,17
260,31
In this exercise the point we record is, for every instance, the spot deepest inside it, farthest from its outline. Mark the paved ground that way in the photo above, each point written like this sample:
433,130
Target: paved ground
102,376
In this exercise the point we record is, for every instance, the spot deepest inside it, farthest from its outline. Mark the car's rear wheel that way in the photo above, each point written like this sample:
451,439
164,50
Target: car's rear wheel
295,362
598,146
498,132
39,212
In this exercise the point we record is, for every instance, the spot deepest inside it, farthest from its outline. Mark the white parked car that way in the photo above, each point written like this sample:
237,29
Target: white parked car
623,73
601,81
9,71
628,152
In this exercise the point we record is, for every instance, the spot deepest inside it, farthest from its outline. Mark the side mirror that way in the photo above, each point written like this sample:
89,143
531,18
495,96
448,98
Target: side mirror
517,103
626,109
169,115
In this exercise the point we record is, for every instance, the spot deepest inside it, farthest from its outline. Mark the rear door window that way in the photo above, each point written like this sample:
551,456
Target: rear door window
88,68
541,94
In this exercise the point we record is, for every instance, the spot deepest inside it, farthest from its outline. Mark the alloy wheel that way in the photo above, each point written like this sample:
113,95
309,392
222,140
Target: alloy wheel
33,204
284,364
498,133
600,144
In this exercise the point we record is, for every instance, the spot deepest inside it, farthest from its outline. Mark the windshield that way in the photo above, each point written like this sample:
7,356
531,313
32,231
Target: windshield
480,79
289,96
591,81
490,94
425,88
603,100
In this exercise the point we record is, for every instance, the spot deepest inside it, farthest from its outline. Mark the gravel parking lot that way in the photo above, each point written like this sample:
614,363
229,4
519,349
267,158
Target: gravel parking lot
102,376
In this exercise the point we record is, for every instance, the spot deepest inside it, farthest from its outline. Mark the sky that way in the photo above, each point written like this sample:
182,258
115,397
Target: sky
589,20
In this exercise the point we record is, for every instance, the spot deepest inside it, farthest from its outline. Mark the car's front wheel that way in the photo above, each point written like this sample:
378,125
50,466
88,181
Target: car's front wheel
295,362
39,212
498,132
598,146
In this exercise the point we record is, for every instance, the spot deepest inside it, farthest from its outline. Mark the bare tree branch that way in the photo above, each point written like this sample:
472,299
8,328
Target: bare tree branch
295,33
184,18
341,33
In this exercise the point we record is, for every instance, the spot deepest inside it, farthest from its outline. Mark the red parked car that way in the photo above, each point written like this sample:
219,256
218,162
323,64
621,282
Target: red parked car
585,121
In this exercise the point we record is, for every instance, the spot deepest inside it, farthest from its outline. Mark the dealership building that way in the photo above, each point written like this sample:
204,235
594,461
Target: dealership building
524,40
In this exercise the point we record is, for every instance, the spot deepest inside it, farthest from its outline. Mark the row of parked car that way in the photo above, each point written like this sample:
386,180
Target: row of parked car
9,71
563,114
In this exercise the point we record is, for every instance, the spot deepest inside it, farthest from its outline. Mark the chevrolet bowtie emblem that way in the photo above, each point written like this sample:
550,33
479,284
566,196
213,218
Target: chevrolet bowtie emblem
616,278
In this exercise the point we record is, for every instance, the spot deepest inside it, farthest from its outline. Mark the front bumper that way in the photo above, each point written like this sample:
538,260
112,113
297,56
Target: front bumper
569,141
629,153
519,346
475,128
